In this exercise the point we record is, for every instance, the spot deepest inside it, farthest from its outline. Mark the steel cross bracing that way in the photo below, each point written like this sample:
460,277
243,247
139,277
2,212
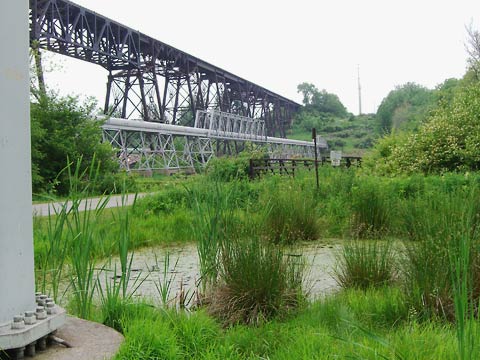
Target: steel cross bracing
147,78
147,146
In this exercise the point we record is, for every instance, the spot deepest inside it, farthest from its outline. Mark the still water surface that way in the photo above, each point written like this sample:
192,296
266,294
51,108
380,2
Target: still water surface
183,270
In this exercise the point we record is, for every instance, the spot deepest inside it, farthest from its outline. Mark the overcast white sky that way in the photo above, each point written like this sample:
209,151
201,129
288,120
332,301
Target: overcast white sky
279,44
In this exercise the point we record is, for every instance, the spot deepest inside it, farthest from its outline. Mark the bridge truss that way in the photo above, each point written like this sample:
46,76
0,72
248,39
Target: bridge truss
147,78
145,146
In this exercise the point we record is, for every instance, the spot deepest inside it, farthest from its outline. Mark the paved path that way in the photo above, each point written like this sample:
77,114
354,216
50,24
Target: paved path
91,203
89,341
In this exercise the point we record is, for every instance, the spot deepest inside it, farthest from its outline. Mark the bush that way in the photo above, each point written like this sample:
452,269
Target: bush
166,201
256,282
447,141
337,143
232,168
64,130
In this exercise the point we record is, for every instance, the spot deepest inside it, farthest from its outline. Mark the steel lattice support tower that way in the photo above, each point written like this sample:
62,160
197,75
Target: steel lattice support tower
147,78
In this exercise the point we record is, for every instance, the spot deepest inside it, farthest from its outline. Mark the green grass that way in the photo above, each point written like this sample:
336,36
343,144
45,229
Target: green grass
352,137
289,213
256,282
329,329
430,315
363,264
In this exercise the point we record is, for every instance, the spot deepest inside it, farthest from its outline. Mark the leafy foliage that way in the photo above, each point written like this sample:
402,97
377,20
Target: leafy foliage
62,131
321,101
404,107
228,168
448,141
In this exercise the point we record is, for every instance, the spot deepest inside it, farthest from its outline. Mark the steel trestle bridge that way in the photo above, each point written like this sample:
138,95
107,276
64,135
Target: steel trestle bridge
173,93
147,146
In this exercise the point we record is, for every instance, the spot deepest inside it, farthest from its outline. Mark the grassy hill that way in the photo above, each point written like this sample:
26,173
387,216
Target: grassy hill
351,135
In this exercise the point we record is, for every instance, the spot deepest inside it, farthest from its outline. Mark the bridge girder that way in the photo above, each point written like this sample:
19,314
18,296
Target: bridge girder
148,78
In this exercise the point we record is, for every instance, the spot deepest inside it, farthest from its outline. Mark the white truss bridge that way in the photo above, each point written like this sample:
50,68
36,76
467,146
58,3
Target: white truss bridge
148,146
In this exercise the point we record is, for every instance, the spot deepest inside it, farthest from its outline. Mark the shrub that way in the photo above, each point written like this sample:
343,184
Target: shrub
232,168
166,201
62,129
446,141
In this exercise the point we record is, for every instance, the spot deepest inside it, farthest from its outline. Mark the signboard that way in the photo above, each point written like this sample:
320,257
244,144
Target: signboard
335,157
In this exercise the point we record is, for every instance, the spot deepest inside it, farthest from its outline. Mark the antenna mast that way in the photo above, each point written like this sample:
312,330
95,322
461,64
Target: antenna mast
359,92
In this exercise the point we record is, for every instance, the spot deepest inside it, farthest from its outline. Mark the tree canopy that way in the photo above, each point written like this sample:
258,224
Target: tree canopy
404,107
449,140
62,130
321,101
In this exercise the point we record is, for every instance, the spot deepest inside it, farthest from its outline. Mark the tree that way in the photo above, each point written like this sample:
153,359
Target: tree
308,91
473,50
321,101
64,130
448,141
405,107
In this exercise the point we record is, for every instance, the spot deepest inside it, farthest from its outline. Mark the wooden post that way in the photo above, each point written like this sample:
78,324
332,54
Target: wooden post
314,137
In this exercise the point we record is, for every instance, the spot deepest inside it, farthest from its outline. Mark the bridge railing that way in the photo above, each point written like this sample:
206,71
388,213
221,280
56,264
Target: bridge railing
223,124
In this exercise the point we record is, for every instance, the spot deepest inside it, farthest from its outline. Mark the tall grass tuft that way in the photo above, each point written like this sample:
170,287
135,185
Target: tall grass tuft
464,258
463,298
81,227
165,281
256,282
116,292
365,264
445,256
211,226
290,215
371,209
51,261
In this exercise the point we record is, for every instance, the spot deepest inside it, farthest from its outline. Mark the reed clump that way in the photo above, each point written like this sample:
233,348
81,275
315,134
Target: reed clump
244,278
371,208
290,215
447,240
363,264
256,283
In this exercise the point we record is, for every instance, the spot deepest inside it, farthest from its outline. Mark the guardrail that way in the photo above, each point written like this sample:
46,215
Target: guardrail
290,166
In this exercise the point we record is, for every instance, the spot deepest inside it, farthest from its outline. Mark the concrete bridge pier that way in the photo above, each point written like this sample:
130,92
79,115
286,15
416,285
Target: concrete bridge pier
22,322
17,284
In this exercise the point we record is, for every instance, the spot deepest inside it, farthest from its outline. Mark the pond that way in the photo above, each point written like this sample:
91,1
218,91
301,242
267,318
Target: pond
148,270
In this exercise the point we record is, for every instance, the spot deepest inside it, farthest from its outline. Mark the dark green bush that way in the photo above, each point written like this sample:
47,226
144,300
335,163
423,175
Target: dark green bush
166,201
232,168
63,130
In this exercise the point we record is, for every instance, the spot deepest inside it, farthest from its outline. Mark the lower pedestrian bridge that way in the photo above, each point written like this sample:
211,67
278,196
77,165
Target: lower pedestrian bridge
148,146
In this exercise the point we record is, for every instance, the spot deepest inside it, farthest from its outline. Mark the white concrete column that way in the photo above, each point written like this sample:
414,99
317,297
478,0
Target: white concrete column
17,285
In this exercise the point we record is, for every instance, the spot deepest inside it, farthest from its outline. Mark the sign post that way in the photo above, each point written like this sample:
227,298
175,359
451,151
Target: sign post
314,137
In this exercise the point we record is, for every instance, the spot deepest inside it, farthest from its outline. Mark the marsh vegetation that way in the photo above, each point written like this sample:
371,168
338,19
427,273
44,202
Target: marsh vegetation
405,263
